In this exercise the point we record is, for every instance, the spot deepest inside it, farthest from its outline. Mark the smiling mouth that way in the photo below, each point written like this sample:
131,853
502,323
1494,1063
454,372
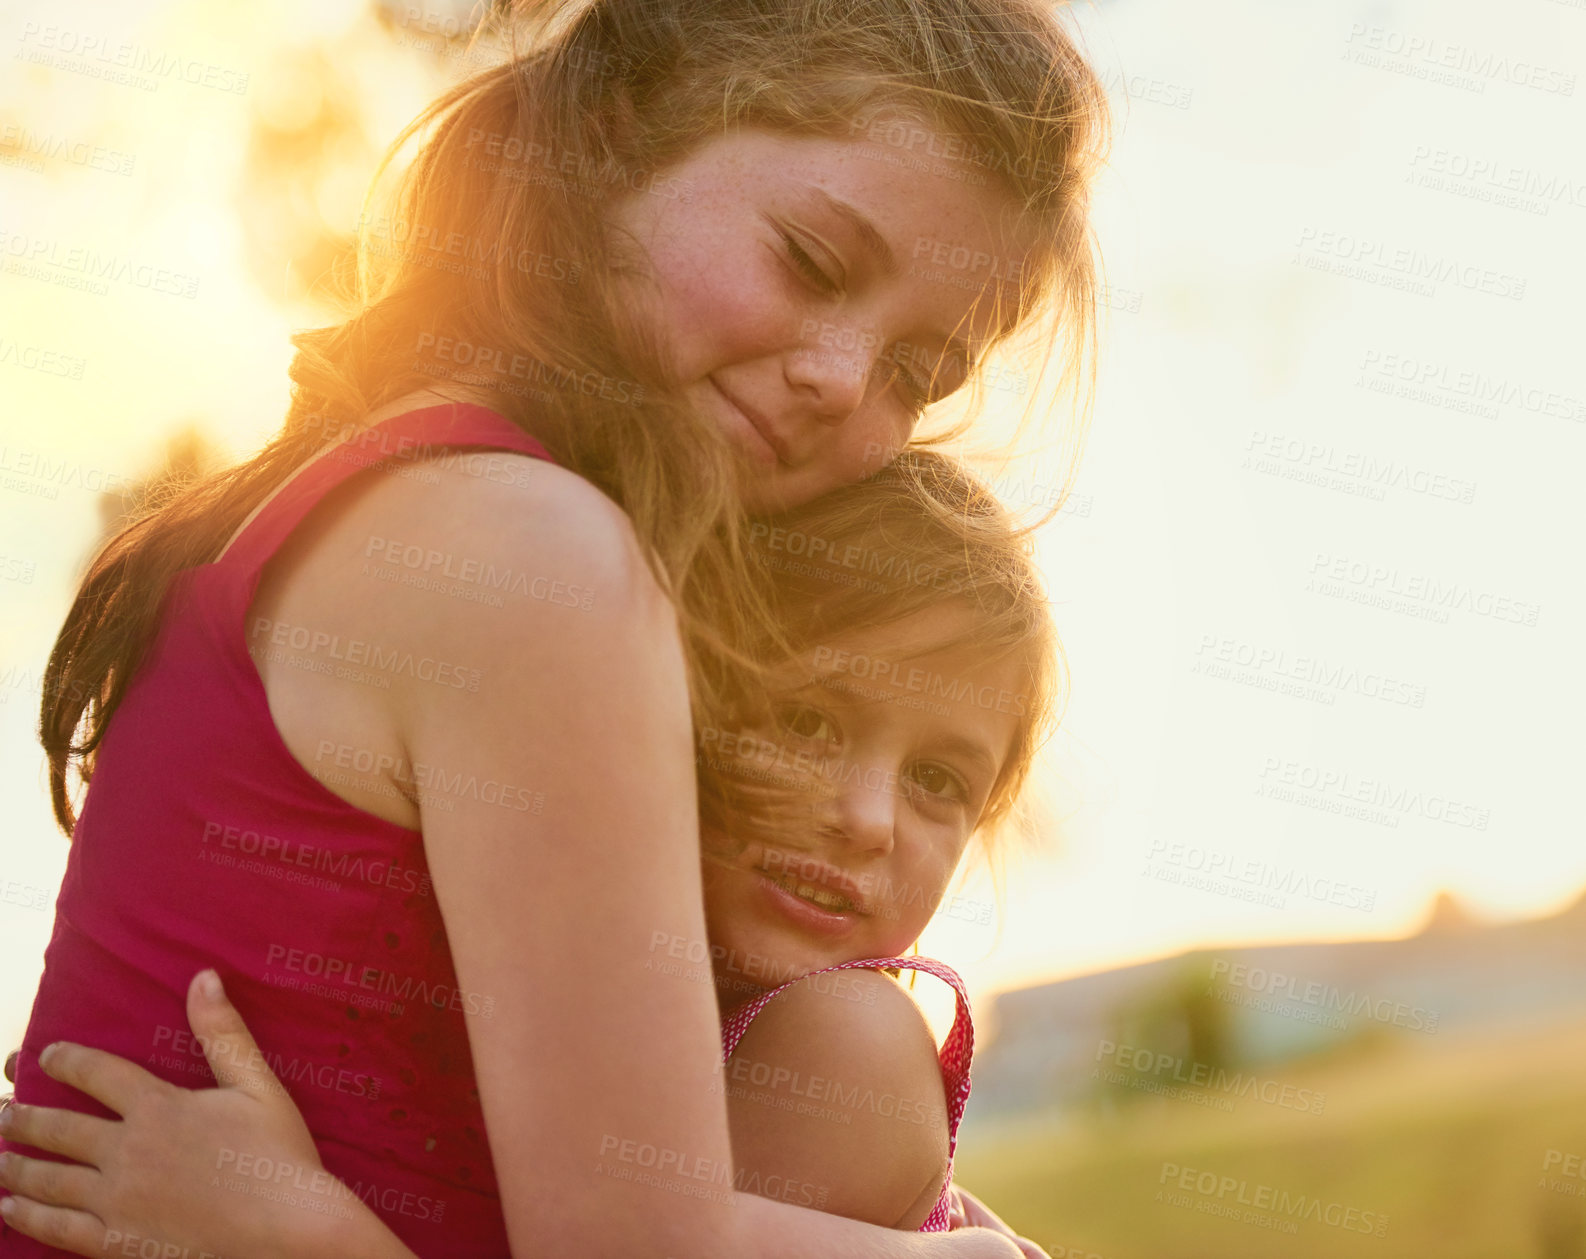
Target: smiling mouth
762,430
821,897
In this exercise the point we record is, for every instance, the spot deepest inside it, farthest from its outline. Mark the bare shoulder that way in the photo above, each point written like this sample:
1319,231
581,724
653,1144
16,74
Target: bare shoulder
498,506
447,597
497,549
854,1018
836,1083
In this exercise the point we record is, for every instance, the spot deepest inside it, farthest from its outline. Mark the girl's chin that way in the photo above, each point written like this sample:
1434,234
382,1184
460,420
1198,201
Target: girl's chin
761,962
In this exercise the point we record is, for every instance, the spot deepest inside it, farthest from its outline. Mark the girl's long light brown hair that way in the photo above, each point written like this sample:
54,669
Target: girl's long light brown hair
493,272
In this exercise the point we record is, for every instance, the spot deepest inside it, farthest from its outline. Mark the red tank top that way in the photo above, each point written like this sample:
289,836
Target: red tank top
203,842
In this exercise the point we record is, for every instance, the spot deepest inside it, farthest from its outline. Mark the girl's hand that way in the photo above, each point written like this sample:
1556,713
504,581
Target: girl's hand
969,1211
183,1169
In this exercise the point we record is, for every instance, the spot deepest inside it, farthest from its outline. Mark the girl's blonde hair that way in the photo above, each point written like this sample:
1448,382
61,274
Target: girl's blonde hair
494,272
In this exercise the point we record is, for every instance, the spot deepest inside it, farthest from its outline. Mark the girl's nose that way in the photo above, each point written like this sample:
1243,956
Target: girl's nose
863,813
833,379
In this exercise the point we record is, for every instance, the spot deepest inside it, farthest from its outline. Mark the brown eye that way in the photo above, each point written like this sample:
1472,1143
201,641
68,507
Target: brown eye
938,780
808,723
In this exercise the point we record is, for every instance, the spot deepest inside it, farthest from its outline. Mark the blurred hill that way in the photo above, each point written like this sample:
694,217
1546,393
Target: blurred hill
1257,1007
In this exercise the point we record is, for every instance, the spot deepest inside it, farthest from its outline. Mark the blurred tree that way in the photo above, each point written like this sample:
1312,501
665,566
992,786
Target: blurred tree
188,454
1182,1018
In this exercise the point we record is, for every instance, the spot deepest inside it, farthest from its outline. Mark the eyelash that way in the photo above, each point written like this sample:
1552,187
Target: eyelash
808,267
919,392
960,786
791,714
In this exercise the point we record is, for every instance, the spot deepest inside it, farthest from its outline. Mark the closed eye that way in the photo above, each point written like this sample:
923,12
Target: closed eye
808,267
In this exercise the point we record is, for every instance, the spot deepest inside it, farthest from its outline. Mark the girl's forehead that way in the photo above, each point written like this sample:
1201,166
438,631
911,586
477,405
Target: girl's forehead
923,176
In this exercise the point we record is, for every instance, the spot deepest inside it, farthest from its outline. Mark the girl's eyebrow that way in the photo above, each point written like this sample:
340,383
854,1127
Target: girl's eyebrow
972,750
870,237
880,252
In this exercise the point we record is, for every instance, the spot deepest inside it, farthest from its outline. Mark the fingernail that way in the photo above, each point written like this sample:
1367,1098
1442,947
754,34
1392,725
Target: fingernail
209,985
45,1055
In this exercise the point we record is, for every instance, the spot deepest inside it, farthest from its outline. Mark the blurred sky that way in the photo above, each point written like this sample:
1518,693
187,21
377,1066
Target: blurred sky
1342,368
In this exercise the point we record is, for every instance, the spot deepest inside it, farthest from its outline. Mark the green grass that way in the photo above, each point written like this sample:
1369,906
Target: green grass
1446,1138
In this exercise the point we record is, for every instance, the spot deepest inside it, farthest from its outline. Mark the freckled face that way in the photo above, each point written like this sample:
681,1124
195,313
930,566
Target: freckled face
815,293
903,790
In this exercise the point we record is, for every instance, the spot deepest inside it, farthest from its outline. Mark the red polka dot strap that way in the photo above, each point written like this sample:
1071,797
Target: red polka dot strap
953,1056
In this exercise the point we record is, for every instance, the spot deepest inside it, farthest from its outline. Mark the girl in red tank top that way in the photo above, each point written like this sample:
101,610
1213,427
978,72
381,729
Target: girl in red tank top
908,721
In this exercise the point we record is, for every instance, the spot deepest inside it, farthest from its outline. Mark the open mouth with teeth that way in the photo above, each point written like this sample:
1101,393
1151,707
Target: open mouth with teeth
823,897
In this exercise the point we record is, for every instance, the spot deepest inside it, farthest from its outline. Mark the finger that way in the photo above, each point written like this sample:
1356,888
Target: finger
76,1231
11,1065
69,1132
1030,1249
115,1082
56,1184
227,1043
